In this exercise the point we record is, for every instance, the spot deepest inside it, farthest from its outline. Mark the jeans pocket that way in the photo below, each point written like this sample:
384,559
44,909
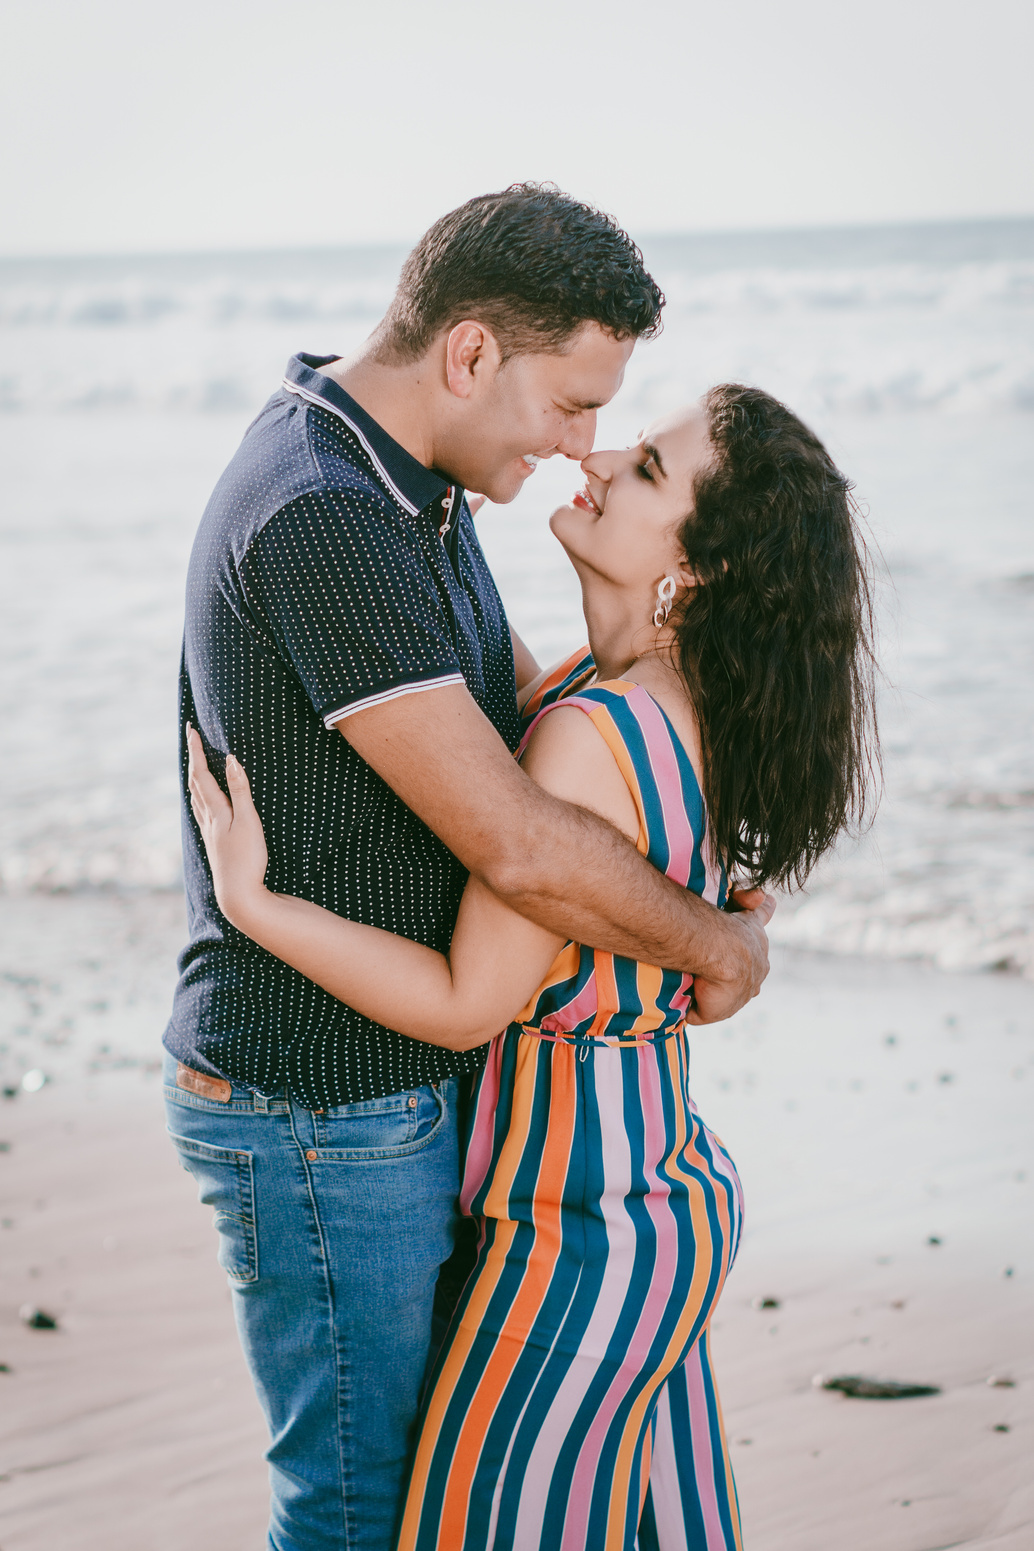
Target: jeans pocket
226,1181
391,1127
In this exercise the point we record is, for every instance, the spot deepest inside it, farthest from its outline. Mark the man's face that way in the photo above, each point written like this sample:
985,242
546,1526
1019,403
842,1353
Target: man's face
530,408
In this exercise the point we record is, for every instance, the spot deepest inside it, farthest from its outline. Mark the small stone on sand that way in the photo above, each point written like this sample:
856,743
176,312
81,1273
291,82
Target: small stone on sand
873,1389
37,1319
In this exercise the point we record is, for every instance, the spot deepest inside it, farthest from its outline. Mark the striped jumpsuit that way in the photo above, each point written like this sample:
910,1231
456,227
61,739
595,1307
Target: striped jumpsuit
573,1406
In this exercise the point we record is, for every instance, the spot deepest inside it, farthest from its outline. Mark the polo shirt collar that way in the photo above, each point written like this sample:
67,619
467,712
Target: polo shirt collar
412,485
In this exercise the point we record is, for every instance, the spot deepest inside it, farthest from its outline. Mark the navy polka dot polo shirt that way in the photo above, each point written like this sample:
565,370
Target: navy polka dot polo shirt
331,572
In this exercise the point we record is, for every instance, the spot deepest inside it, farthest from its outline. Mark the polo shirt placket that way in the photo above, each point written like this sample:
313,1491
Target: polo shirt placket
331,572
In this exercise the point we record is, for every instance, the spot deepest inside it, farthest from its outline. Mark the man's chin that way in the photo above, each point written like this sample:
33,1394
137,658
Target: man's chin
505,488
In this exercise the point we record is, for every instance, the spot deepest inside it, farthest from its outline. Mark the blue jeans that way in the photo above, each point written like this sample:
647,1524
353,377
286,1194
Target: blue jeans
332,1230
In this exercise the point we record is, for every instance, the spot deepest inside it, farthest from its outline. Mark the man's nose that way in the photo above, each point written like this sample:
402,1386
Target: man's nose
579,436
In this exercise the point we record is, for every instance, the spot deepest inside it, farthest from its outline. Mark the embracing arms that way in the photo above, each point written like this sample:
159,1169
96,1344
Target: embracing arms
497,958
563,867
528,893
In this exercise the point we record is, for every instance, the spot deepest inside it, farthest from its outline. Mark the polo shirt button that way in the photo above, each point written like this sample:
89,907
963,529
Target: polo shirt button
312,1155
412,1101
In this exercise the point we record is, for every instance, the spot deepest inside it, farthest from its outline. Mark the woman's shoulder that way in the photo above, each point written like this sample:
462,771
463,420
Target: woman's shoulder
573,757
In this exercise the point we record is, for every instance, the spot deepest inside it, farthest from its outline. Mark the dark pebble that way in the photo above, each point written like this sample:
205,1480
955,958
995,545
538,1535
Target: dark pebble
5,1367
37,1319
876,1389
1000,1427
933,1239
766,1303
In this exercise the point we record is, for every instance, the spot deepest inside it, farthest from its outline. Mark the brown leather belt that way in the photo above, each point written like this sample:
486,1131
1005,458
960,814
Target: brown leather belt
215,1088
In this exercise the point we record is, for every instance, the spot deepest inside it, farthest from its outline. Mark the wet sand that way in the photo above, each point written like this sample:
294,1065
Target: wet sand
872,1108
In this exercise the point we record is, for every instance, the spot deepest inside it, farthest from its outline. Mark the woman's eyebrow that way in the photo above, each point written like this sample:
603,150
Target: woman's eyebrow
651,452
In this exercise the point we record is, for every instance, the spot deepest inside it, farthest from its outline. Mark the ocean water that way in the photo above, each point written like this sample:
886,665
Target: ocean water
125,385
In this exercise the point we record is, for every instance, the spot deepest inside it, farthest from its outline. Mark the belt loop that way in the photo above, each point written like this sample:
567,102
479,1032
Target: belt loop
261,1102
583,1053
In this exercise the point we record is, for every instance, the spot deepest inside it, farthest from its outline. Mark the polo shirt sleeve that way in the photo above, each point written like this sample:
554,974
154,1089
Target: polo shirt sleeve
341,583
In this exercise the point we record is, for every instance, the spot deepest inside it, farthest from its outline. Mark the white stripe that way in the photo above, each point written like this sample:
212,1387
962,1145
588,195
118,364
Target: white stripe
391,694
314,398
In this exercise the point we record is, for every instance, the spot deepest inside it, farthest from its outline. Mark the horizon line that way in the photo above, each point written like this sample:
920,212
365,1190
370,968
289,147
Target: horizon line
372,245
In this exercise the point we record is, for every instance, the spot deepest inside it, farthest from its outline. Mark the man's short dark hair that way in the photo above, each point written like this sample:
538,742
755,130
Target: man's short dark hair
531,263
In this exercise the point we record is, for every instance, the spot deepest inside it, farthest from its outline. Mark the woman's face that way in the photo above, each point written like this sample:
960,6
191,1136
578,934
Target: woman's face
622,526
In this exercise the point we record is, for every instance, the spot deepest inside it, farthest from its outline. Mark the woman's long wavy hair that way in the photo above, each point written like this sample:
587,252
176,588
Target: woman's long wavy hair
776,644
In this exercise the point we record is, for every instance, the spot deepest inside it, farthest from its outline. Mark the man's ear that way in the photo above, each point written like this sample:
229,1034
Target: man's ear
471,354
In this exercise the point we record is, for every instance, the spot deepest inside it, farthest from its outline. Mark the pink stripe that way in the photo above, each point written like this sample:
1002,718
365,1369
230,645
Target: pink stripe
571,1013
703,1456
665,1486
606,1313
588,706
647,1325
479,1152
664,766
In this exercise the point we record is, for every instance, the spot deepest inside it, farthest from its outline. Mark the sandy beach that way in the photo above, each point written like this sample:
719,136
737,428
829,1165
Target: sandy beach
879,1116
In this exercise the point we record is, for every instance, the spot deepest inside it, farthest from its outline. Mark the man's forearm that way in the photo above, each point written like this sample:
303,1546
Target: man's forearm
556,863
580,878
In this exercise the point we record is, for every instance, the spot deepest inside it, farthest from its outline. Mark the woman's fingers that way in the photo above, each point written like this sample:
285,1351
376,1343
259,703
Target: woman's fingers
209,803
230,828
237,781
244,811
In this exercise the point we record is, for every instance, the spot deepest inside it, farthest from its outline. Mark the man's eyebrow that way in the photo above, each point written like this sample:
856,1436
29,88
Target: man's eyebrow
651,452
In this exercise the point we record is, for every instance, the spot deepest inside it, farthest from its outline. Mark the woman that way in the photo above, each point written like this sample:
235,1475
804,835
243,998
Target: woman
721,719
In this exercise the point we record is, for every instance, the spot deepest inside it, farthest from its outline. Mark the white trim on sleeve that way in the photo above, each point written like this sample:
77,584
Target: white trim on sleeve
395,693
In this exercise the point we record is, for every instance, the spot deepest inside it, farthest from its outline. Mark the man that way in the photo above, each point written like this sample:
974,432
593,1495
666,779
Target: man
345,640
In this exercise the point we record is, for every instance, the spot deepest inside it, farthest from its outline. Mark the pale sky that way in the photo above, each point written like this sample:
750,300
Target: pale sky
133,126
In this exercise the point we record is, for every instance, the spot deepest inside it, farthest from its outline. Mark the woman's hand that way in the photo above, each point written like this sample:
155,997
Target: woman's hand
231,830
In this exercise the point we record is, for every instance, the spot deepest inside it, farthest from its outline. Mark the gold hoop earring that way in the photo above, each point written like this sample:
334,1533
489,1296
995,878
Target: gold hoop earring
665,594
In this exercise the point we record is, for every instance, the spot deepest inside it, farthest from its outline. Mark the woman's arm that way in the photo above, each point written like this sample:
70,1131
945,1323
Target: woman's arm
497,957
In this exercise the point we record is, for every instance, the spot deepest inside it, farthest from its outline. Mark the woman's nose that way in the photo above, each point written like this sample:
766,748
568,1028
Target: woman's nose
600,464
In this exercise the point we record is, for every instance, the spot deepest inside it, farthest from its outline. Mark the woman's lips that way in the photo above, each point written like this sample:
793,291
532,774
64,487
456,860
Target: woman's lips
585,501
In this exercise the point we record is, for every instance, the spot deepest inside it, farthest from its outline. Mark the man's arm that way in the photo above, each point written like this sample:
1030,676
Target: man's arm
560,865
525,666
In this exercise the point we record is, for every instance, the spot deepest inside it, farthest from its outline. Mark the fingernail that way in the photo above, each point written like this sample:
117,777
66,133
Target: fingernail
231,764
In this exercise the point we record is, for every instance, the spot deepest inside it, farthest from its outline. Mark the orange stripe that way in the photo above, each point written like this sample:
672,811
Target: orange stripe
701,1275
484,1288
606,726
649,981
608,1002
730,1484
557,676
538,1275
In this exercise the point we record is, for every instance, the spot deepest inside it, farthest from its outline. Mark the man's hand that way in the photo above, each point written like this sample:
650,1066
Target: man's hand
551,860
716,998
